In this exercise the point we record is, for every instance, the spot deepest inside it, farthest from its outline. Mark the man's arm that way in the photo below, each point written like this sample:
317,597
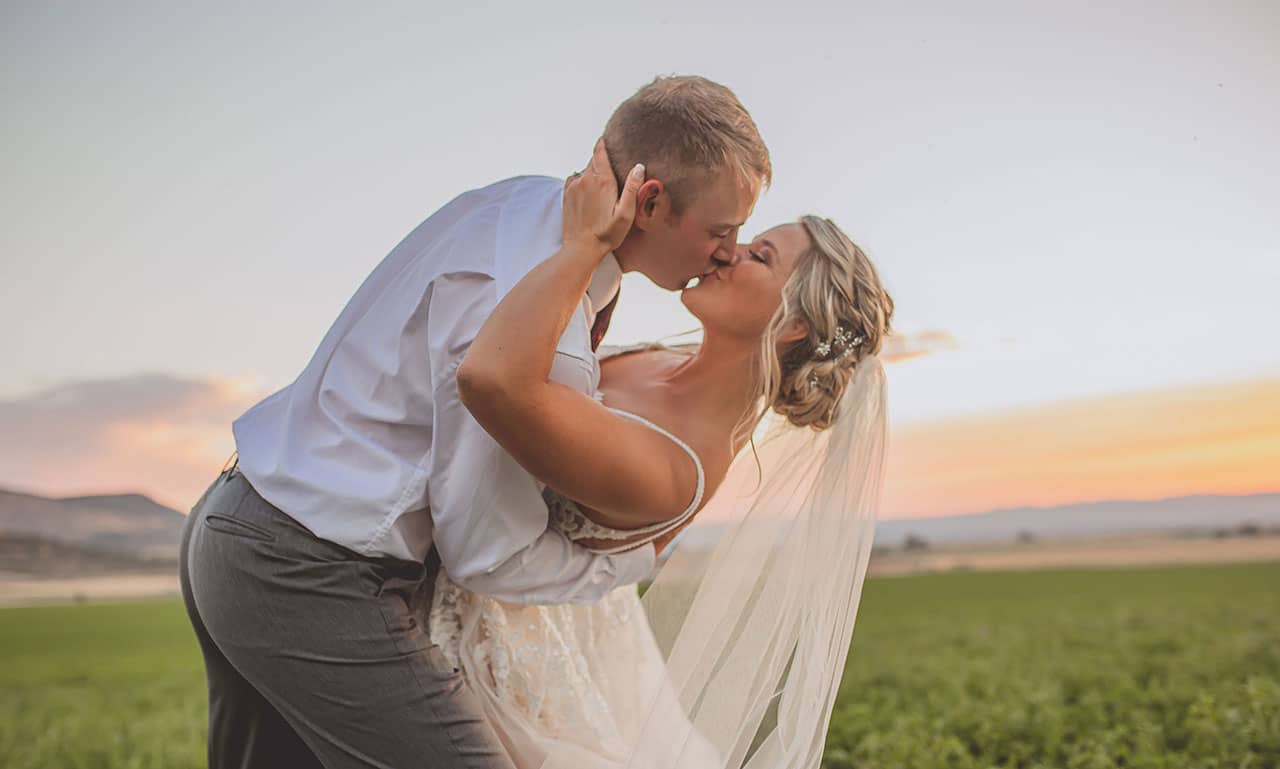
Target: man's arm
489,518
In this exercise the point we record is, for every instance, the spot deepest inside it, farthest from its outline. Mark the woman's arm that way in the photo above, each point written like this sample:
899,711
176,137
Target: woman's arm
489,520
627,473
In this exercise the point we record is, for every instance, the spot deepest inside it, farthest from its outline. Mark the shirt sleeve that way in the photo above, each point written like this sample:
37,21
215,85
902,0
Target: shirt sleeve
490,523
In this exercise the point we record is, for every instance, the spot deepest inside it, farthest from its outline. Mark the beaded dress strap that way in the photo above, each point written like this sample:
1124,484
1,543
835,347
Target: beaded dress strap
653,531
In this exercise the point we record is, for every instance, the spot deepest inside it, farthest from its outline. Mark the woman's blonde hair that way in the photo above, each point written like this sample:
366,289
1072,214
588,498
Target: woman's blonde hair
835,291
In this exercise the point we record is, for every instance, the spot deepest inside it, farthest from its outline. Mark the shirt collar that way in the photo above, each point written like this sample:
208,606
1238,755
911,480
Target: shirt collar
604,283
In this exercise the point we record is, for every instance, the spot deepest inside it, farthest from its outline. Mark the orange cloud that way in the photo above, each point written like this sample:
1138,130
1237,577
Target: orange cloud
901,347
1214,439
157,434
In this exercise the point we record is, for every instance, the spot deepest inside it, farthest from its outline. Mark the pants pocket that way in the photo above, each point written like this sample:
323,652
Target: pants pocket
237,528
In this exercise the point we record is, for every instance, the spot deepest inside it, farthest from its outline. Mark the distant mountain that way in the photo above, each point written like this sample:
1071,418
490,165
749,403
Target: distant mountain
1204,513
134,526
33,556
129,525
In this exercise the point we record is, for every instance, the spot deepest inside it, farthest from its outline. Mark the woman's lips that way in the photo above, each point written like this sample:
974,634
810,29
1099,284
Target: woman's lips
704,277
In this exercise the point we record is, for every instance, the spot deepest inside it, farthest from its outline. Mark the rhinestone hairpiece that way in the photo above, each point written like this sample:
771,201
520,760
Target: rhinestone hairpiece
844,341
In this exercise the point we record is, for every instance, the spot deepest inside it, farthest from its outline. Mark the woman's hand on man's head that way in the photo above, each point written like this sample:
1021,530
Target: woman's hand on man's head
596,217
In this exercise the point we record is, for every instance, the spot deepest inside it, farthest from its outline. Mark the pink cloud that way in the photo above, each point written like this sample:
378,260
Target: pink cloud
161,435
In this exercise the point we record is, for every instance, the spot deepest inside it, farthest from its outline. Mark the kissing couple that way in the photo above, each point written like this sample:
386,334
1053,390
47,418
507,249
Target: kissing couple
427,550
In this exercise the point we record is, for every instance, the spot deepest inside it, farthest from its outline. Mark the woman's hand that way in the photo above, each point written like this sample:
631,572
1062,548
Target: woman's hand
596,218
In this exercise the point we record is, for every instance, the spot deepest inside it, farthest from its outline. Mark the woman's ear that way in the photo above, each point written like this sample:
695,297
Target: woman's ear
651,203
794,332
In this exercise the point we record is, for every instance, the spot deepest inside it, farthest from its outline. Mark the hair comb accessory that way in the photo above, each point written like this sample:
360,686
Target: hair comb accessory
844,341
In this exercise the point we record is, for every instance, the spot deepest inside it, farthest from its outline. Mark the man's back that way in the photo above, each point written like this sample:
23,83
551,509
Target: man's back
346,448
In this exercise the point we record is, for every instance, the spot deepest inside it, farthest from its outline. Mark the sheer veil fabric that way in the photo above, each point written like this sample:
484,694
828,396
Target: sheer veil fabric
755,629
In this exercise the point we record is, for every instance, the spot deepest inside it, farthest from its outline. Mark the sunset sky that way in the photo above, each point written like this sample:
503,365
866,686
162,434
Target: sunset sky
1075,210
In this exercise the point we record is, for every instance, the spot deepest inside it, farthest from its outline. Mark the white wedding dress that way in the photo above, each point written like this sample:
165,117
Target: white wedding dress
733,658
567,685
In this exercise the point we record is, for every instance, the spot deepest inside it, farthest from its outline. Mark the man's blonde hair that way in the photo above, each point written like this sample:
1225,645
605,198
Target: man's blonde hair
686,130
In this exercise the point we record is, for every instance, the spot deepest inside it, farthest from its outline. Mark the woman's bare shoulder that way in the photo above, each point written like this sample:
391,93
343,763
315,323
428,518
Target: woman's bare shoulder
607,351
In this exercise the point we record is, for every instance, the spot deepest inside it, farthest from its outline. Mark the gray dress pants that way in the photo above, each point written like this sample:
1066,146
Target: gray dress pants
313,653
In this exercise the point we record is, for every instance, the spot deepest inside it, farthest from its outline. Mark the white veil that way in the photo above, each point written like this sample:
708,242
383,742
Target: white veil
754,610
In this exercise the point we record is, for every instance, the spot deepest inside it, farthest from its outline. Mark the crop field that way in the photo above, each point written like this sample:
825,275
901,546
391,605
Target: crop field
1156,667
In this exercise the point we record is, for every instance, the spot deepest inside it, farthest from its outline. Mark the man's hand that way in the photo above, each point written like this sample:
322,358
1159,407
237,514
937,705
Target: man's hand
596,217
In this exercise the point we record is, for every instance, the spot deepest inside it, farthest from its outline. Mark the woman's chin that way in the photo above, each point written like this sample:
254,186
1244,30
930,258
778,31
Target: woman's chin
698,302
689,298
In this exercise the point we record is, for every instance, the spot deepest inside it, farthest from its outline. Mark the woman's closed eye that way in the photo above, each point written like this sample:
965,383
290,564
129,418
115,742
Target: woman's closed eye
758,256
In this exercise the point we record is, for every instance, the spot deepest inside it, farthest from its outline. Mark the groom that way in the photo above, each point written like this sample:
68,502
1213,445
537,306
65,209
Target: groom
306,565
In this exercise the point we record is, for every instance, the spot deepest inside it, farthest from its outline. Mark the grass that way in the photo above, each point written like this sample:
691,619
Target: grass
1171,667
104,686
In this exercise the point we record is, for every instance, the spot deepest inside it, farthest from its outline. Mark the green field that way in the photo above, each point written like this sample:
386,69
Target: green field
1174,667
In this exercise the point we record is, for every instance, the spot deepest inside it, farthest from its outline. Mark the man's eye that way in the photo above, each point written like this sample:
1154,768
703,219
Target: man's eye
720,235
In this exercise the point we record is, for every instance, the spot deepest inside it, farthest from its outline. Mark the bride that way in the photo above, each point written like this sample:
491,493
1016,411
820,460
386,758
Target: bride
734,654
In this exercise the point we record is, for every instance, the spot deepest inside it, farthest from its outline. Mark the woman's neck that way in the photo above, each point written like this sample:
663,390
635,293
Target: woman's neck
718,382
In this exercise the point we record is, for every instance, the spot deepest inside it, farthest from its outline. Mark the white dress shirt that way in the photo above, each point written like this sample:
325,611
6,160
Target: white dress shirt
371,448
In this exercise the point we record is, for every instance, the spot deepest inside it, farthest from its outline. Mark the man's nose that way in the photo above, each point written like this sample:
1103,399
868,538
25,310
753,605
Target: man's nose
729,253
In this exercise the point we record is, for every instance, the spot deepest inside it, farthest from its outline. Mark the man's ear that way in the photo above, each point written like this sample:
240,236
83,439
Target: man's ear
651,203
